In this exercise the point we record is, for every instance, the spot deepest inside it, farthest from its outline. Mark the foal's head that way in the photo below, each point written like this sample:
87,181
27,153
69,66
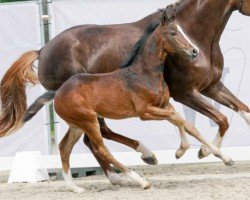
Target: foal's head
174,40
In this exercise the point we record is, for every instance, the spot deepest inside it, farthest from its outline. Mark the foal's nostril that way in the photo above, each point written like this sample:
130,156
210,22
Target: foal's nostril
195,51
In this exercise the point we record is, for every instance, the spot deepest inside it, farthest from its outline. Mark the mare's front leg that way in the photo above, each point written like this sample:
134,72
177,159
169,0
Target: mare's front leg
147,155
154,113
222,95
195,101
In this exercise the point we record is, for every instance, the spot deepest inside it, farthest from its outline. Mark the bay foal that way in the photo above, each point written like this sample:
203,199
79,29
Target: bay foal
135,91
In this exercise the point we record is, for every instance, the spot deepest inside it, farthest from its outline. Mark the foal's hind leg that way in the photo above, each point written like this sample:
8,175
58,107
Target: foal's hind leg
112,176
147,155
92,129
65,147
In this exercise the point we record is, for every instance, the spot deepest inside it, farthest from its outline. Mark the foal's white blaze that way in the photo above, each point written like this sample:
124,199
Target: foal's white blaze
246,116
187,38
146,153
115,179
136,178
70,185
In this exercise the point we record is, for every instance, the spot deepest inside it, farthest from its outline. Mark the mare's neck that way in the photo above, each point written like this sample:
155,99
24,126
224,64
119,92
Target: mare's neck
206,18
154,17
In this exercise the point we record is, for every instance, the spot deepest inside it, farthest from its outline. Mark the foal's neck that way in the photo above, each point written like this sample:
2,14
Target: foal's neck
150,61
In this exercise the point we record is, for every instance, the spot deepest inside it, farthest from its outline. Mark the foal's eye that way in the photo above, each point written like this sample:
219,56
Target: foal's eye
173,33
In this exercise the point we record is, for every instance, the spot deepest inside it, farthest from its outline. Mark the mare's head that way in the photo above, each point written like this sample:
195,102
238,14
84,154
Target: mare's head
174,40
243,6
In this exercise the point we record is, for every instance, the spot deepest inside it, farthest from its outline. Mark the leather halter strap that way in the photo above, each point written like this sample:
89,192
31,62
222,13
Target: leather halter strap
241,5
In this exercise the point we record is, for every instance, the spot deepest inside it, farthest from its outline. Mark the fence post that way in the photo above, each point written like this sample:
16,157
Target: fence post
45,37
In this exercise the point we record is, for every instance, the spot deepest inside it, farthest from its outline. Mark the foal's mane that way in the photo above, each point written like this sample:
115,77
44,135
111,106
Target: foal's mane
140,44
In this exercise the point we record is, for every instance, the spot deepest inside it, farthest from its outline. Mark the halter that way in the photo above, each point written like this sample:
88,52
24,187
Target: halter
241,5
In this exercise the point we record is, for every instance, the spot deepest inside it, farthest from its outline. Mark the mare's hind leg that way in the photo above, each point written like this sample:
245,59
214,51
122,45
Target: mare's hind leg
112,176
92,129
65,147
147,155
154,113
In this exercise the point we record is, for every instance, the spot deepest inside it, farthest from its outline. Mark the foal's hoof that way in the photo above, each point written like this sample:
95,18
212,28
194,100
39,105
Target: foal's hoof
230,163
147,186
179,153
115,179
203,153
150,160
200,154
75,189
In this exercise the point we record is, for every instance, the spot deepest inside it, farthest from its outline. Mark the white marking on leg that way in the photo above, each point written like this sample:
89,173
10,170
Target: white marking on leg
115,179
136,178
187,38
146,153
246,116
184,143
216,152
218,140
70,185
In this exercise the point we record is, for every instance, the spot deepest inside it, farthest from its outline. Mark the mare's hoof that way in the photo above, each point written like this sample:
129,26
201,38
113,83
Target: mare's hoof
230,163
150,160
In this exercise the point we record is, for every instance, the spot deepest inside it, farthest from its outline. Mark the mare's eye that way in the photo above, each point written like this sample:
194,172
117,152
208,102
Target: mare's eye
173,33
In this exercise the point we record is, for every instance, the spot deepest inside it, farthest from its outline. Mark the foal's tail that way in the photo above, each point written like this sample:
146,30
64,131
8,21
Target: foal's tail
38,104
13,94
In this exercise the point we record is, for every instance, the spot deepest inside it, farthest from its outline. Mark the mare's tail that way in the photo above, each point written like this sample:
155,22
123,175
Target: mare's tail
13,94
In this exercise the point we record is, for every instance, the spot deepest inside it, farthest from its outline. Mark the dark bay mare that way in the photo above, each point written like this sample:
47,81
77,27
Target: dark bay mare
140,91
76,50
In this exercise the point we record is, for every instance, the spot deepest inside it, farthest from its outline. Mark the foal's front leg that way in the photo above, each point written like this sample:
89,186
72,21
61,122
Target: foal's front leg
154,113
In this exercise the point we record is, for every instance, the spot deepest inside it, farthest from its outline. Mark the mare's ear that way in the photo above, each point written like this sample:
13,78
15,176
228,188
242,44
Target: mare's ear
164,18
169,14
